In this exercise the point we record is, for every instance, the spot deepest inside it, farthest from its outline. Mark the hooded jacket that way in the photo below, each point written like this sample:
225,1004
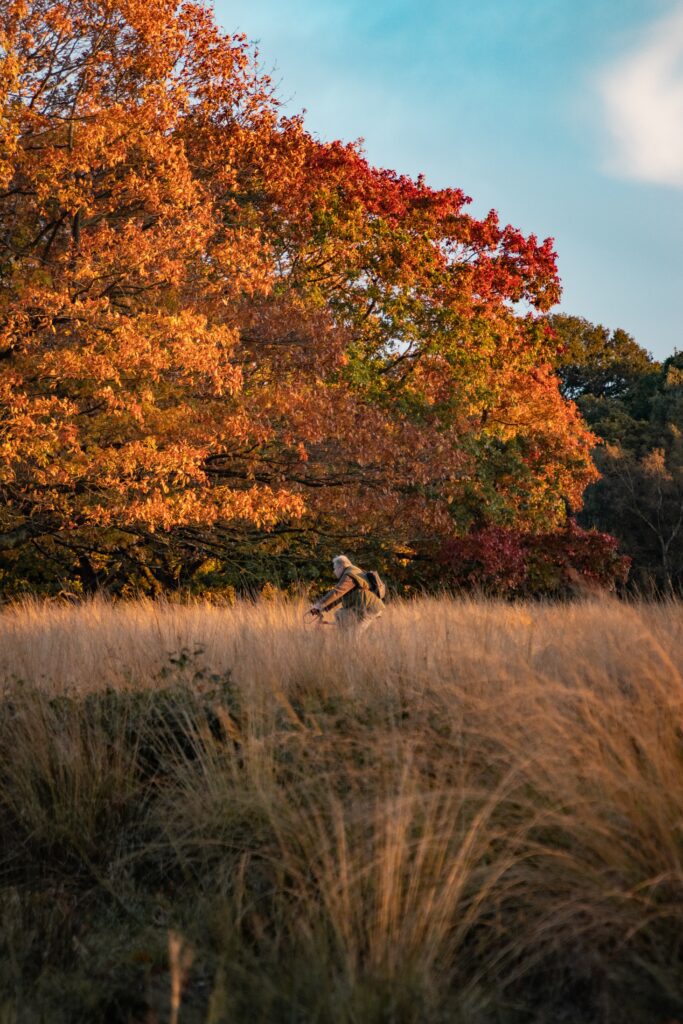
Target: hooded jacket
352,591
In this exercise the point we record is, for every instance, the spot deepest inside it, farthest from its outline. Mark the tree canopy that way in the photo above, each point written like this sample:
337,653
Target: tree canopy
216,330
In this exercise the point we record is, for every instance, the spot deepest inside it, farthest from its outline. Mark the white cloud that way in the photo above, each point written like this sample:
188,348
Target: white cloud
642,95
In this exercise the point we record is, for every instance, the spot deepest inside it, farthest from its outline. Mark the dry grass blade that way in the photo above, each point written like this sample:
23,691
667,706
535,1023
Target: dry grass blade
472,812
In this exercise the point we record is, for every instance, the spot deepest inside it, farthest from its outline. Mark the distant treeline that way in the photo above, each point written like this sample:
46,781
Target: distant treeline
635,406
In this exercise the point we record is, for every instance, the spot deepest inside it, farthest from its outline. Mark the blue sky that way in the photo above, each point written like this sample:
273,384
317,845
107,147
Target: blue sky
564,115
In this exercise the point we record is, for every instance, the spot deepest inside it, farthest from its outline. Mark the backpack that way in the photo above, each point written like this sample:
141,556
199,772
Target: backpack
377,584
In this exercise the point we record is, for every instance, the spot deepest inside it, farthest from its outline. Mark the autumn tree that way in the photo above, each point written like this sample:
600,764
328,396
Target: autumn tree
116,263
218,334
442,408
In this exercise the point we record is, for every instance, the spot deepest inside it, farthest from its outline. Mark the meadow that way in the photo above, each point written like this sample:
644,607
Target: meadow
473,813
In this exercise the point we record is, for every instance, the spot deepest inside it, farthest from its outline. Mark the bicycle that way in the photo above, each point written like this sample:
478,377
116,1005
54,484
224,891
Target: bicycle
315,619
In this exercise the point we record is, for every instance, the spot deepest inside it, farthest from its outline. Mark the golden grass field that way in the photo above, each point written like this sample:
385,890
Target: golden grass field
473,813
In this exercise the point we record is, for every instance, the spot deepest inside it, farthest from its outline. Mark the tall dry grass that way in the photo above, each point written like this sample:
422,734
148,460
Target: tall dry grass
471,813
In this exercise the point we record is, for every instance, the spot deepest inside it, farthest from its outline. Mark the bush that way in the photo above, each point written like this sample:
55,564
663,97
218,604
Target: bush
504,562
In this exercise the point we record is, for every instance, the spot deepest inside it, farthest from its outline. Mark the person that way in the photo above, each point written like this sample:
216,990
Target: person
359,605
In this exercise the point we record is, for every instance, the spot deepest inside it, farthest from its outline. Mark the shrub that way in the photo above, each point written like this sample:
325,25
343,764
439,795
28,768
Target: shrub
505,562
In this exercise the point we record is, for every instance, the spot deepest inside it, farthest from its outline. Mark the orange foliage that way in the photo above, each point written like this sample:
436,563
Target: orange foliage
209,317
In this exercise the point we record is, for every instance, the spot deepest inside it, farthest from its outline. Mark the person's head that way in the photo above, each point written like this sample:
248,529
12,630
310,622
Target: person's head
339,564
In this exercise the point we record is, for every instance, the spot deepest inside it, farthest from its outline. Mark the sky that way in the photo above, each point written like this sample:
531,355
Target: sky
566,116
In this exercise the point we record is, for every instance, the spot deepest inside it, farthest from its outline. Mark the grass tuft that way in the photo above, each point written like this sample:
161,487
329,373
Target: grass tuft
473,813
